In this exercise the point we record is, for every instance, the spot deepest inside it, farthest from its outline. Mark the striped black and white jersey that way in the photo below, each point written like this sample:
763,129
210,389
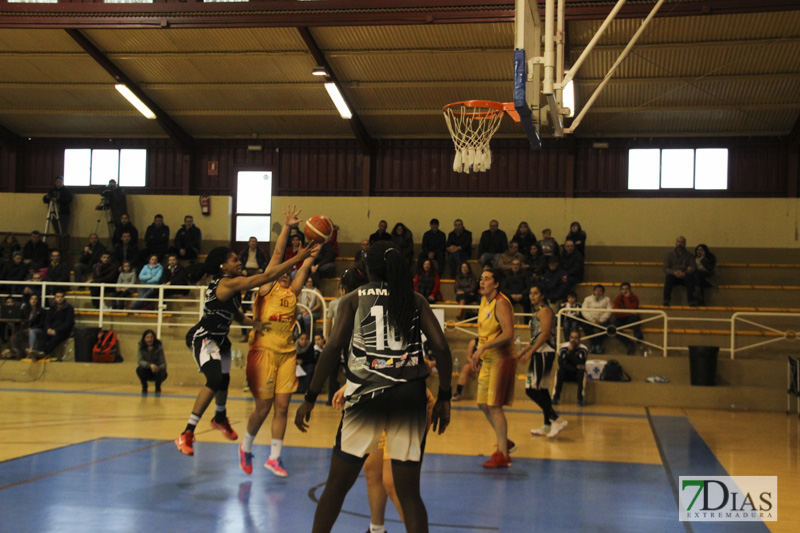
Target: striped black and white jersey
379,358
217,316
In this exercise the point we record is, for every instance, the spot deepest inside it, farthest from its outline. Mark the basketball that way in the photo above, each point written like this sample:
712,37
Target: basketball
319,228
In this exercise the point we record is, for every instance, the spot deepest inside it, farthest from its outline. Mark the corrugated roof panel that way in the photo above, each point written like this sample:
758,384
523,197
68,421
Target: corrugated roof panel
688,123
77,97
52,68
766,89
266,126
69,124
415,37
777,56
241,97
224,67
12,40
433,66
772,25
188,40
424,97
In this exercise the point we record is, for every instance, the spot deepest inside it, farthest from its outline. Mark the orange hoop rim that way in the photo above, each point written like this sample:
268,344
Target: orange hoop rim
495,108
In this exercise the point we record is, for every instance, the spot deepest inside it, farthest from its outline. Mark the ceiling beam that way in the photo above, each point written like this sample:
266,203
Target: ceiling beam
296,13
164,120
362,136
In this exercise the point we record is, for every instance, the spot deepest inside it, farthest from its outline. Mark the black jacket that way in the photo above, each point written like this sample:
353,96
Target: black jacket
156,239
493,243
189,239
63,198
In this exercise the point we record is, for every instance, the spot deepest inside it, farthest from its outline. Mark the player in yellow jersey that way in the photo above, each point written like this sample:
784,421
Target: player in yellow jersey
272,359
497,363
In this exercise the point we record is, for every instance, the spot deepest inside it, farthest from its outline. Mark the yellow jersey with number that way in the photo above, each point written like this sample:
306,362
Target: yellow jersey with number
489,328
278,312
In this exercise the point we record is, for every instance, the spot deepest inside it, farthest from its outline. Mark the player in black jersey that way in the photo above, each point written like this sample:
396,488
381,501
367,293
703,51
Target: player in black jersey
382,323
209,338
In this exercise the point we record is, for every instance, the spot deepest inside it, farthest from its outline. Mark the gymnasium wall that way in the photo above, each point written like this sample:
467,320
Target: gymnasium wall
642,222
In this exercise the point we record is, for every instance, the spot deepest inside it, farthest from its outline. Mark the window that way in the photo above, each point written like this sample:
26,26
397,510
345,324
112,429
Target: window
253,205
699,169
84,167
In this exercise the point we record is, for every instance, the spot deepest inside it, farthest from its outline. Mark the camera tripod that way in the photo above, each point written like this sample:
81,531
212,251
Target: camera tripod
104,210
54,217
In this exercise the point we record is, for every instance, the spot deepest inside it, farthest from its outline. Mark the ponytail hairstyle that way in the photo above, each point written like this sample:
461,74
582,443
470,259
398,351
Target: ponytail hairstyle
215,258
386,263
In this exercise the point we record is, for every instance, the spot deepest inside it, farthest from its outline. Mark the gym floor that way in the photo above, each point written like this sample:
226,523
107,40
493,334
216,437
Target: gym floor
89,457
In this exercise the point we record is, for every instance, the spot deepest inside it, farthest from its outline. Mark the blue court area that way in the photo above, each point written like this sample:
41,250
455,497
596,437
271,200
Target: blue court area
133,485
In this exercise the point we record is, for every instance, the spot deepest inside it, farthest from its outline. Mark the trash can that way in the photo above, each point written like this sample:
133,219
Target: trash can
703,365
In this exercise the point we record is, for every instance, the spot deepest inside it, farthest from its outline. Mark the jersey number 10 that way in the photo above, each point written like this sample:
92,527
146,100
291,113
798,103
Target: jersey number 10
384,330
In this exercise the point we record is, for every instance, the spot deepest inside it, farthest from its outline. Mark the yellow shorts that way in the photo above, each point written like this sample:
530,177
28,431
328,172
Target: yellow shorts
496,382
270,373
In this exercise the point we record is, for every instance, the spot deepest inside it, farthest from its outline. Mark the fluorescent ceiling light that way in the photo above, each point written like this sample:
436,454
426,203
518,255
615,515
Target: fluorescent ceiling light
338,100
568,98
138,104
319,71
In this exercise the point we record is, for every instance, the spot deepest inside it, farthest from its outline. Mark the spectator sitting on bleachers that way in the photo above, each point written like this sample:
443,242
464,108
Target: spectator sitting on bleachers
295,243
426,282
188,240
572,261
361,256
12,316
626,299
509,256
403,240
127,277
156,239
465,287
577,236
32,318
306,361
705,268
333,240
16,270
126,250
151,365
253,259
493,243
524,238
324,265
459,246
381,234
90,256
548,244
597,310
59,320
536,263
679,267
295,231
35,287
175,275
150,274
516,285
125,225
7,248
554,281
571,366
434,246
36,252
312,299
57,272
106,271
569,320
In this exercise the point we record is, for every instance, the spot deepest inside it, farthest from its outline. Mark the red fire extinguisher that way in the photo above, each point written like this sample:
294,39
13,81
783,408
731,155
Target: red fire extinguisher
205,204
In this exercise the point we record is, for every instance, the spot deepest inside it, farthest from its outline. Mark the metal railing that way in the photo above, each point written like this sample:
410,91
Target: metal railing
733,327
182,311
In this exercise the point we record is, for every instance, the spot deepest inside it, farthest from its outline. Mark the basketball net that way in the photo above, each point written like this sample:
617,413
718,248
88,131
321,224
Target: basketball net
471,126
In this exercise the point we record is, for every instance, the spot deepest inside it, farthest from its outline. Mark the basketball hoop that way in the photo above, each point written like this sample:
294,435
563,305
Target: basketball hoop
472,124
